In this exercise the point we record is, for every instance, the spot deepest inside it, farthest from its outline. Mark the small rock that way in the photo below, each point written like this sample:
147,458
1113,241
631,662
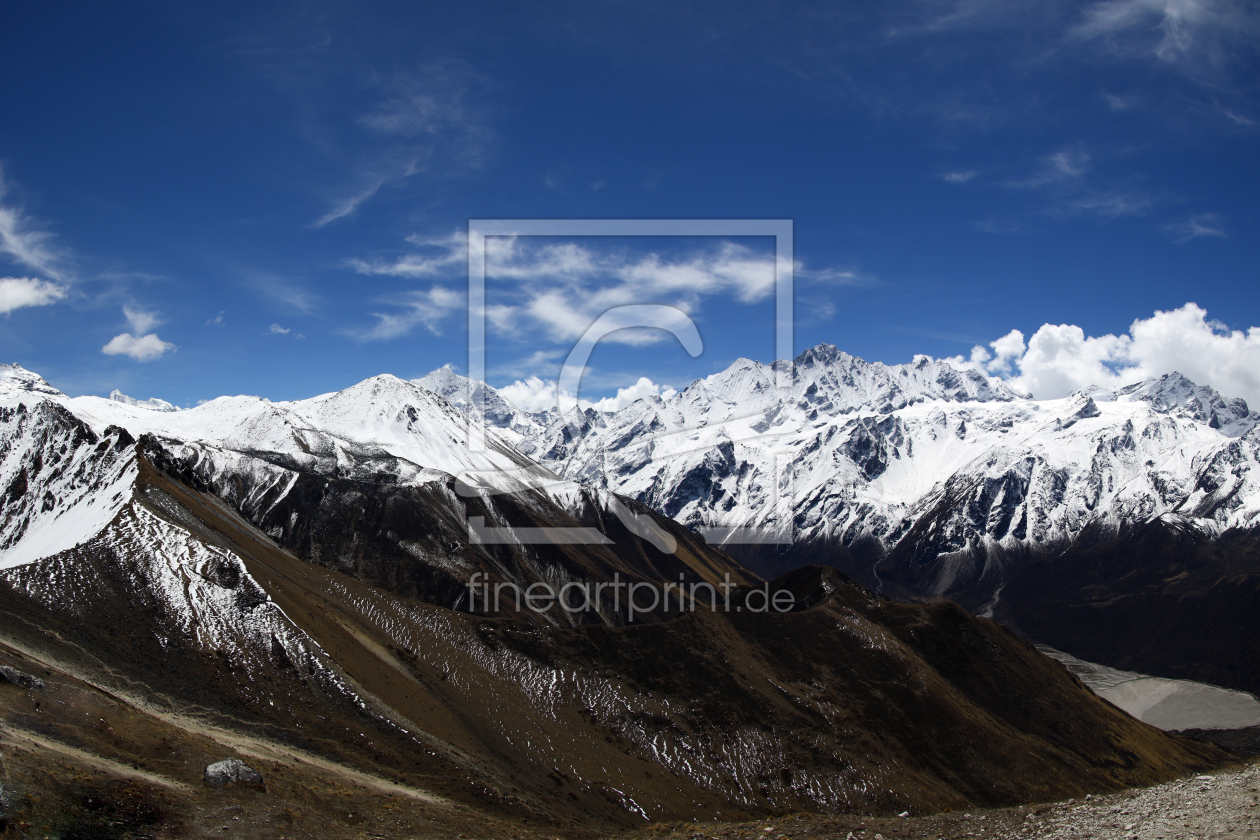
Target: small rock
15,677
904,814
232,770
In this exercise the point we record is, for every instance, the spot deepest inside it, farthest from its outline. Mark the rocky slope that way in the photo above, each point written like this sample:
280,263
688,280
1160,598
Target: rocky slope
1217,805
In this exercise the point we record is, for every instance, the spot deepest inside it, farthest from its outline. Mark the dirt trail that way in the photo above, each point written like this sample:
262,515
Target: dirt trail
25,739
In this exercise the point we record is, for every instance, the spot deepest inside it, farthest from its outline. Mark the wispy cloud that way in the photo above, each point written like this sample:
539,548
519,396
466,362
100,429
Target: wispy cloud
276,329
559,289
1196,227
1064,165
1237,118
22,240
1067,184
999,226
1191,34
427,121
428,308
438,256
1110,204
289,292
959,177
1117,103
351,203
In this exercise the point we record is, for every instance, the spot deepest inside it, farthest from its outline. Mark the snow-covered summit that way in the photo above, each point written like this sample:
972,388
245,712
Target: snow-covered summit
153,403
16,380
1177,395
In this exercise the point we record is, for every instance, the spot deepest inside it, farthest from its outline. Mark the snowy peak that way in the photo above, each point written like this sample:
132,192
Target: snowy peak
463,393
16,380
1176,395
831,380
153,403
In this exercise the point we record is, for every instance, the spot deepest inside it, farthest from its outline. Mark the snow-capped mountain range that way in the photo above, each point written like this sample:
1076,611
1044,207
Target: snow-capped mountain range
916,476
378,480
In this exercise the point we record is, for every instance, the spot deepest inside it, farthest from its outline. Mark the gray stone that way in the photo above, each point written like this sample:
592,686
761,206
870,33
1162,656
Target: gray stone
15,677
232,771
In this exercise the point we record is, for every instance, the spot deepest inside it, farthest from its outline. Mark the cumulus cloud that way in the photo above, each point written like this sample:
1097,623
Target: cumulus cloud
276,329
139,344
1060,359
537,394
17,292
531,394
625,396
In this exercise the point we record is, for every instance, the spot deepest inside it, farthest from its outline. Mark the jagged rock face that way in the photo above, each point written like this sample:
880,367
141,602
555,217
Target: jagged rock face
61,481
915,478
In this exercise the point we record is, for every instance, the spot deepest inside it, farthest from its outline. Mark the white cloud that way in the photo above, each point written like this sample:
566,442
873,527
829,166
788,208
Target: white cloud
1175,31
278,288
442,253
24,243
276,329
1064,165
139,344
959,177
559,289
1204,224
141,322
431,119
1117,103
349,204
428,308
1060,359
17,292
531,394
143,348
625,396
536,394
998,226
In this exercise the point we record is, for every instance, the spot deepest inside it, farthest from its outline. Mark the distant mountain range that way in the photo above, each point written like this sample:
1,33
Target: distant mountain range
924,480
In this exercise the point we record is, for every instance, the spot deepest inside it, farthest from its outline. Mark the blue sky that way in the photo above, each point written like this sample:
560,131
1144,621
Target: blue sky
268,198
